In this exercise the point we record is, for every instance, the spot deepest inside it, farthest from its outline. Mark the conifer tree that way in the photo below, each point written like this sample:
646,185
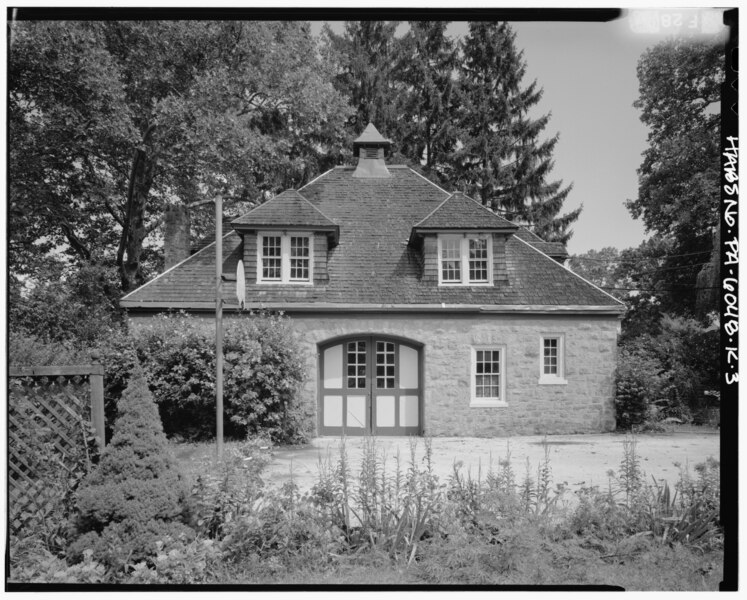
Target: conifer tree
365,57
428,61
501,160
136,497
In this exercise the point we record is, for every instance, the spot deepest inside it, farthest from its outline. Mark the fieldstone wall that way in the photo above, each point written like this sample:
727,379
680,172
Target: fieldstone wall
585,404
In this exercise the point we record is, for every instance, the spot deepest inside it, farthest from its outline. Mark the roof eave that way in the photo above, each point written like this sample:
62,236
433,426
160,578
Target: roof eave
332,230
336,307
417,232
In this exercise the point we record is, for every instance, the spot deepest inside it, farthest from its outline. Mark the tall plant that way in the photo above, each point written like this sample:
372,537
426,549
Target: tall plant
135,500
501,160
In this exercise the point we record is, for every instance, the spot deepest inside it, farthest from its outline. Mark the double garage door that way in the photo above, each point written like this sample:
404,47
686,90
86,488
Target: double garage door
370,385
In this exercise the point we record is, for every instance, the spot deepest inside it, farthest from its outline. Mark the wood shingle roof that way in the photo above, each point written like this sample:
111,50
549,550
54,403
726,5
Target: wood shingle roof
373,264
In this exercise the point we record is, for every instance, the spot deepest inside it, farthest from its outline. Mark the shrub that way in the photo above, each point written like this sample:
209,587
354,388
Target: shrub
136,497
638,385
178,354
184,563
665,376
263,370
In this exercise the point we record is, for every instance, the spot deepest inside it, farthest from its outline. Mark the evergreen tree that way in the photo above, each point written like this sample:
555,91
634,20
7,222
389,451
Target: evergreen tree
365,58
136,497
501,161
428,61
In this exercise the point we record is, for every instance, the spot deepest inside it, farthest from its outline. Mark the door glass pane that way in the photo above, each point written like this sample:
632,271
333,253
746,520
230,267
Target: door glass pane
333,367
384,365
356,365
408,367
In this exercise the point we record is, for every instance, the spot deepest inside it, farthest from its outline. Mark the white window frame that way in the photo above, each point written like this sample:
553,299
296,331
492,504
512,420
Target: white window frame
476,402
464,258
554,378
285,262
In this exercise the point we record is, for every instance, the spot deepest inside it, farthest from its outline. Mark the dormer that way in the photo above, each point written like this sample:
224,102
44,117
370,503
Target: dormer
371,148
462,243
286,241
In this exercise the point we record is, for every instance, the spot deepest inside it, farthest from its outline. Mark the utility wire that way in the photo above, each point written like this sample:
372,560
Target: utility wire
617,260
669,268
629,289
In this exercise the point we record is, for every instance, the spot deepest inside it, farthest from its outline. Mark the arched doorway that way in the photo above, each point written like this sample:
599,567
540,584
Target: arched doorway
370,384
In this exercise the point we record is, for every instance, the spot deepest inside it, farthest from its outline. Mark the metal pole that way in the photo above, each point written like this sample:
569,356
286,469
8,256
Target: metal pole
219,323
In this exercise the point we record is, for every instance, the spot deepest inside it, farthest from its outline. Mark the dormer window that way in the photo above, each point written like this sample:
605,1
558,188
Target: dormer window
465,259
284,258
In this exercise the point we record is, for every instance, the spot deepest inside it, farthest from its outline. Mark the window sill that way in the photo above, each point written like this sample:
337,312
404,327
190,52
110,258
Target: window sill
488,404
286,283
460,284
552,381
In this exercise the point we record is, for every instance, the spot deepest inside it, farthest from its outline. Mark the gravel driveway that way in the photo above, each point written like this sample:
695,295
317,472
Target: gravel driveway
576,460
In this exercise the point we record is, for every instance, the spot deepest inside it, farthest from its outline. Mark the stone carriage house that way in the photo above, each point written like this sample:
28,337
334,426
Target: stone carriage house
422,311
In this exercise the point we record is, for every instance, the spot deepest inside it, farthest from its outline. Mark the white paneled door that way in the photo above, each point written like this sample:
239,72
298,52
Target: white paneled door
370,385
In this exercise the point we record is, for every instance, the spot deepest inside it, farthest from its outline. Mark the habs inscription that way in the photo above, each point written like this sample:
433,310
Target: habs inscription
730,318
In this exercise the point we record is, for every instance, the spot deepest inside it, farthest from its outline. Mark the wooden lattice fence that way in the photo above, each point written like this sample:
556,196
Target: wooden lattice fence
52,413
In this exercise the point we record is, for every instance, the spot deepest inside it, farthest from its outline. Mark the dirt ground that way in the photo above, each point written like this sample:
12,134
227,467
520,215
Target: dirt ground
575,460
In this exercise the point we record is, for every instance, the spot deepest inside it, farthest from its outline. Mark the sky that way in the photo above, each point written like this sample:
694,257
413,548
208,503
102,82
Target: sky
588,74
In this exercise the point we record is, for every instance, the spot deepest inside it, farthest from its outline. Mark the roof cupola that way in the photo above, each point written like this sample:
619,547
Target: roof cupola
370,149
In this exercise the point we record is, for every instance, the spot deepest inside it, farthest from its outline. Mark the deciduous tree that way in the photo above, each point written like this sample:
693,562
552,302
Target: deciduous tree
114,120
678,193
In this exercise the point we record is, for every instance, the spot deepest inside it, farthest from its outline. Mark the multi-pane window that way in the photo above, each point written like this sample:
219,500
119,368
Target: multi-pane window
299,258
272,258
478,259
284,258
487,374
552,359
384,365
550,356
464,260
451,260
356,365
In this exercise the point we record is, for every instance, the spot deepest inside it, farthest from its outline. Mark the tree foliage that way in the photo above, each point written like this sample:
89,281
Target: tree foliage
678,192
600,267
110,121
502,161
365,58
262,372
136,497
427,133
458,110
